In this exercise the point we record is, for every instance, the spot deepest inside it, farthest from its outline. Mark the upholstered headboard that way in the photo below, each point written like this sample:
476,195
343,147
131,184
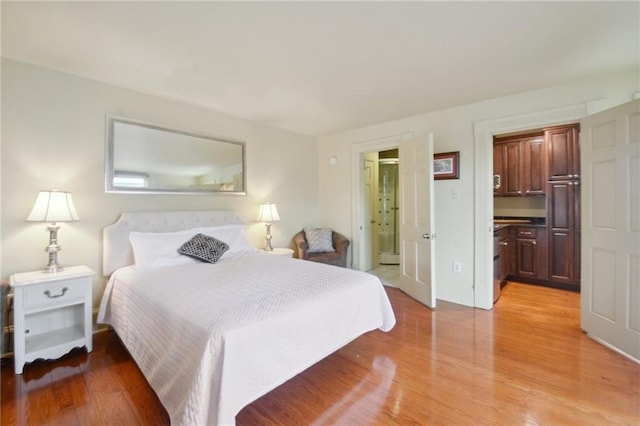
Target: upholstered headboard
117,249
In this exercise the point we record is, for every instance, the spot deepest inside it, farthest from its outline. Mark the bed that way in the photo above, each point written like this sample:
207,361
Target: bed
211,338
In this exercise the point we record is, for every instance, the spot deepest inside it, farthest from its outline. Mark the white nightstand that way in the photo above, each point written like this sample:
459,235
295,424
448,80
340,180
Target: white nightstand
52,313
277,251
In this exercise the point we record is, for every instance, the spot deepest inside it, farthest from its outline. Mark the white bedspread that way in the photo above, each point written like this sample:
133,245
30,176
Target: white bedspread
210,339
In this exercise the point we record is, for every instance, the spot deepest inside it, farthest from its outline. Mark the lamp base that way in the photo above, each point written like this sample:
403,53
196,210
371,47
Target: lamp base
268,247
52,269
53,248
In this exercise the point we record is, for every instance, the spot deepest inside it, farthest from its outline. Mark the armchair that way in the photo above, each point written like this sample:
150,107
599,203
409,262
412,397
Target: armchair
337,258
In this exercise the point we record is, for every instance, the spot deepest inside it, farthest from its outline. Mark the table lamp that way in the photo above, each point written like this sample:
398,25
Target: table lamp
268,213
53,206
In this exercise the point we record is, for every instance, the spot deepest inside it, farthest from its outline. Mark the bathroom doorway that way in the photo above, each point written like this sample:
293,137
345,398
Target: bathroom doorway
387,235
385,232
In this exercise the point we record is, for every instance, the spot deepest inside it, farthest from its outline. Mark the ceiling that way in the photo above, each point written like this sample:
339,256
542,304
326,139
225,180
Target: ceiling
319,68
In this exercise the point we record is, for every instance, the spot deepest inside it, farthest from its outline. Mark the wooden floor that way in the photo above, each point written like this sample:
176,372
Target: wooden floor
525,362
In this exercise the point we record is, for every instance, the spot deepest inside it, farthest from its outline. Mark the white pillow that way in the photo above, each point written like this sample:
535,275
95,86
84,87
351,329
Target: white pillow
234,235
319,240
161,248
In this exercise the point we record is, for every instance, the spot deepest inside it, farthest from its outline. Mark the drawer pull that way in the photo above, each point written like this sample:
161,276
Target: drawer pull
48,293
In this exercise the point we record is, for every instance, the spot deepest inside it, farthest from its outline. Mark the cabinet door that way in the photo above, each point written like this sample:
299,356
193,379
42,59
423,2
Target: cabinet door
530,252
519,165
512,160
563,152
497,170
534,175
560,223
526,257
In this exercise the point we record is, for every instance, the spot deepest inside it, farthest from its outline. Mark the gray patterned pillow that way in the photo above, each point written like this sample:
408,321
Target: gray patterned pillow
204,248
319,240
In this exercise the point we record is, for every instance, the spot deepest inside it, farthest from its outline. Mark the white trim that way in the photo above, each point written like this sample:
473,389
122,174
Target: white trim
613,348
483,192
358,150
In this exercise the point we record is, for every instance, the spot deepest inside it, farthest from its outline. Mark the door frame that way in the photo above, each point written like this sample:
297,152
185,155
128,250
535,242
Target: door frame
358,150
370,254
483,189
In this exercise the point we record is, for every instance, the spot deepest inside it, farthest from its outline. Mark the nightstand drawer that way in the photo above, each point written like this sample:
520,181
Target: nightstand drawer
54,293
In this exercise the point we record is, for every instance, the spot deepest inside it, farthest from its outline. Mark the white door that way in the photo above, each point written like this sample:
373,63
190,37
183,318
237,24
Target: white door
417,231
369,175
610,273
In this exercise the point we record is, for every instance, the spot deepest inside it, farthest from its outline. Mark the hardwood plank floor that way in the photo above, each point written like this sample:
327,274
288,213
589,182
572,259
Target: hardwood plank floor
525,362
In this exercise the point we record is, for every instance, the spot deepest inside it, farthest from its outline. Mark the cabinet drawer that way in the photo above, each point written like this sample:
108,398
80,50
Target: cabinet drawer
54,293
527,233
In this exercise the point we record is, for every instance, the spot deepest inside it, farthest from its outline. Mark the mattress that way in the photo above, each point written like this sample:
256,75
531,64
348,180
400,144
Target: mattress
210,339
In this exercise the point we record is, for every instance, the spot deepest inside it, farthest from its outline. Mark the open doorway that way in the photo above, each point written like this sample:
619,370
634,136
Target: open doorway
483,203
365,159
417,225
537,207
364,163
388,208
385,206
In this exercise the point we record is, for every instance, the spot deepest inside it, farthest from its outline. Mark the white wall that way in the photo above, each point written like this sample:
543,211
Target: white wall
53,135
453,130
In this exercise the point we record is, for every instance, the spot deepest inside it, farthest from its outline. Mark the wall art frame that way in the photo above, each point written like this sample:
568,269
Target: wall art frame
446,165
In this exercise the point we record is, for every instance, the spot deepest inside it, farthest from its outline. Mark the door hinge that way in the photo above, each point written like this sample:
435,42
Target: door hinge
429,236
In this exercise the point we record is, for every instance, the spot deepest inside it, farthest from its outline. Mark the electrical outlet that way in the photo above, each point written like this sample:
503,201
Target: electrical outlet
457,266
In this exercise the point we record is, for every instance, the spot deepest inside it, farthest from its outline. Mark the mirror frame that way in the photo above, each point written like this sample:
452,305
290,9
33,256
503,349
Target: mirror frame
110,151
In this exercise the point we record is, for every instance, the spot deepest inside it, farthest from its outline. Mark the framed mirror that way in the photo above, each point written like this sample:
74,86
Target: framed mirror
147,158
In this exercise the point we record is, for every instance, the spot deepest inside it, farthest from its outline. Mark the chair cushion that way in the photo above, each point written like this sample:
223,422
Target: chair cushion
327,258
319,240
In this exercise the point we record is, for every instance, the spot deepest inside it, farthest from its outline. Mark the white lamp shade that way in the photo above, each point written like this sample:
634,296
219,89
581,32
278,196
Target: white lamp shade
268,213
53,206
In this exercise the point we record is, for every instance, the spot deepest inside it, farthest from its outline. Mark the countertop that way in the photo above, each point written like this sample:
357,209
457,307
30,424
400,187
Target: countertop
504,222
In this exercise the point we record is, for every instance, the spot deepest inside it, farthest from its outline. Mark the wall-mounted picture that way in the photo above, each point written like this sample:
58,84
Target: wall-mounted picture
446,165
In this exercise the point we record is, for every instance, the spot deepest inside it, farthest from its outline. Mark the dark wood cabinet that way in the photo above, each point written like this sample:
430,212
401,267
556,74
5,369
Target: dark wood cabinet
563,152
498,161
534,173
519,166
563,204
507,165
544,163
530,252
564,241
511,169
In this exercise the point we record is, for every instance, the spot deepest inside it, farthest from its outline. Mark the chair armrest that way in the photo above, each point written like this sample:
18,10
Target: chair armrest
341,243
300,245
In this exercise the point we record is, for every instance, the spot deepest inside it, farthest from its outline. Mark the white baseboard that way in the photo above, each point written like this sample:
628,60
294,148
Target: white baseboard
613,348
